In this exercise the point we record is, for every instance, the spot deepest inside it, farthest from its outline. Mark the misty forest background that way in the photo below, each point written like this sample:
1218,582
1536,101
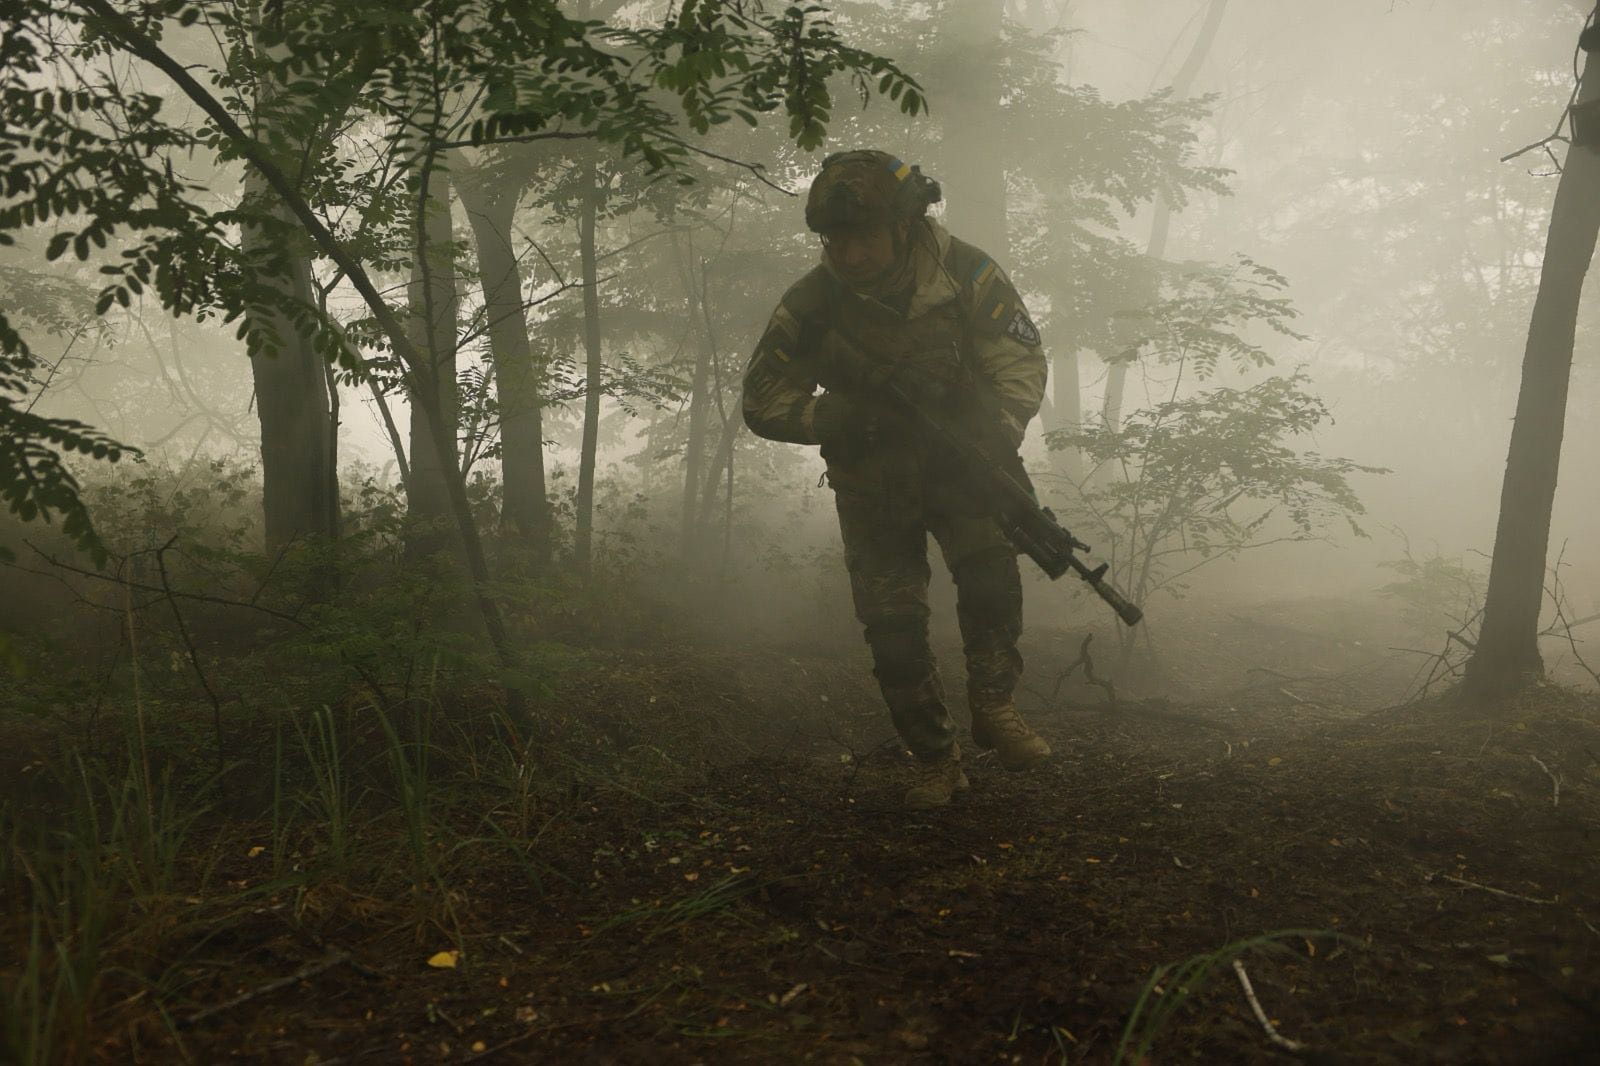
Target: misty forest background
1284,294
373,375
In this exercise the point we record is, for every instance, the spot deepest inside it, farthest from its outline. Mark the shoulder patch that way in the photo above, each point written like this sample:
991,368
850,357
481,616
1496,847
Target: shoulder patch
1021,328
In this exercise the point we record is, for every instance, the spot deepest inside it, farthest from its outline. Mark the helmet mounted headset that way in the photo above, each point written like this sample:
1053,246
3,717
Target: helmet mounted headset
866,187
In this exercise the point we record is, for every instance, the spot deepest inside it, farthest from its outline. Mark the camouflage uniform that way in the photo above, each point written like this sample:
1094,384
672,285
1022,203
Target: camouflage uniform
959,328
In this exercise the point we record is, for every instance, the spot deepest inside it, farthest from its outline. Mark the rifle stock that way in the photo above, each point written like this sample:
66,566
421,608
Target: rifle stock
1031,527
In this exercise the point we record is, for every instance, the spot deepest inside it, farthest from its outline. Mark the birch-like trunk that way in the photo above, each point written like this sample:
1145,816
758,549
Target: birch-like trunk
583,547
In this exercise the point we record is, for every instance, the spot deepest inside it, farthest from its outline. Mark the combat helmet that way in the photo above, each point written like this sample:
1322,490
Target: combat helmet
867,187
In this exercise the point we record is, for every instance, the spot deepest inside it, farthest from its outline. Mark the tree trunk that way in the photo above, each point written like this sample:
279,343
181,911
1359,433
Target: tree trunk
972,169
583,548
1507,655
431,323
720,461
1067,407
525,508
300,492
1161,220
694,448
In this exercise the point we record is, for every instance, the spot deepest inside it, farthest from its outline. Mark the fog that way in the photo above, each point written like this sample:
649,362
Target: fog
1361,147
421,640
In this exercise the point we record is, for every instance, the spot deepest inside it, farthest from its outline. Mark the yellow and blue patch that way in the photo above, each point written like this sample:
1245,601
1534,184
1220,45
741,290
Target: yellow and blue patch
900,170
985,271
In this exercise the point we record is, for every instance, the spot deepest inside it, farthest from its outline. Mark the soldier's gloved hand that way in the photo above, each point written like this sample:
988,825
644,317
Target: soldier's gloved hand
849,426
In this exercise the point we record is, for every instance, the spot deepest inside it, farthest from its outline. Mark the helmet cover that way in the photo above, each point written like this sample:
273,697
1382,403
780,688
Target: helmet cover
866,188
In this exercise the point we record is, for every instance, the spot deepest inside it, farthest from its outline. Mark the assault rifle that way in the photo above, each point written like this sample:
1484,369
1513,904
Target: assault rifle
996,473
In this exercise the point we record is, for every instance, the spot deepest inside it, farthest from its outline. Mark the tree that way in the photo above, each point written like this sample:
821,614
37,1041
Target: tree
1203,475
1507,655
542,76
592,196
489,194
1161,217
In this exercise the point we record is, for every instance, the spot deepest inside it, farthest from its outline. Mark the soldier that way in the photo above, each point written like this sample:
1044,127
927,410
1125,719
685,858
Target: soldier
938,315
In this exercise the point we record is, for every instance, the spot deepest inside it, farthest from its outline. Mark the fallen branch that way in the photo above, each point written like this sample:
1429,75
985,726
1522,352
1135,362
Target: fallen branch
305,972
1086,661
1555,782
1261,1015
1464,883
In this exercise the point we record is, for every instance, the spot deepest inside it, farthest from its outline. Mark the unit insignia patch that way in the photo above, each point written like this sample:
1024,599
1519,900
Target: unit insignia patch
1022,329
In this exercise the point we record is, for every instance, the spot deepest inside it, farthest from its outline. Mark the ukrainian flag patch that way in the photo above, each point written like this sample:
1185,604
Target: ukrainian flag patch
901,171
984,272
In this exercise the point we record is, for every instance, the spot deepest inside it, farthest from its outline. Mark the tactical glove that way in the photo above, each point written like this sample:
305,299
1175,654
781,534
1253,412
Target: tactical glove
848,427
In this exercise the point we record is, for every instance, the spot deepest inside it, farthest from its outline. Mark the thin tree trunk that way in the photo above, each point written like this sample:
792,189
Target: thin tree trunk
525,508
1161,220
1507,655
432,326
1067,409
721,460
699,410
584,542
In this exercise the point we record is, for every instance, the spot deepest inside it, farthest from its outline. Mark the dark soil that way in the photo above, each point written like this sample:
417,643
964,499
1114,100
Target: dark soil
735,881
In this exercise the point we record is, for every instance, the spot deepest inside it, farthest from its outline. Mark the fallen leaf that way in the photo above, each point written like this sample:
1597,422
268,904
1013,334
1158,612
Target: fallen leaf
253,852
479,1046
789,996
444,960
1274,761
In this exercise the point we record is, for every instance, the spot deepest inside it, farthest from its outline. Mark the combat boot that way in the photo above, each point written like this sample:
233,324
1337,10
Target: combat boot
1000,728
938,780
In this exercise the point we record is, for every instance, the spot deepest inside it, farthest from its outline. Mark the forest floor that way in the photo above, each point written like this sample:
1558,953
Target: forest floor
730,877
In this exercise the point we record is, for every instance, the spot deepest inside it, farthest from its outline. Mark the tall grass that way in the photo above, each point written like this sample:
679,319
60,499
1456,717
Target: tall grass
120,842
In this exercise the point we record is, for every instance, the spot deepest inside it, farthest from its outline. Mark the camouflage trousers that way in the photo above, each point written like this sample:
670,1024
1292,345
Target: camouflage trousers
886,550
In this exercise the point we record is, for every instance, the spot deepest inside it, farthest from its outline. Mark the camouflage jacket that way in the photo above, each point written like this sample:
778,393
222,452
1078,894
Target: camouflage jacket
964,322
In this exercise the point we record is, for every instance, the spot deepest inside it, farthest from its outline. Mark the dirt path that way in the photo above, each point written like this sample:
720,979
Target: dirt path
778,906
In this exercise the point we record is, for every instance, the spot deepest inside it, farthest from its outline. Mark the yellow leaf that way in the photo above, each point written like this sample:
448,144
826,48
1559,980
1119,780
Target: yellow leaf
1274,761
445,960
253,852
479,1046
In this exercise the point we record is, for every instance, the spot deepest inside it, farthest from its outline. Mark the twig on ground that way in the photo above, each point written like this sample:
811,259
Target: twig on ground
1086,661
1464,883
1261,1015
305,972
1555,782
1292,696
